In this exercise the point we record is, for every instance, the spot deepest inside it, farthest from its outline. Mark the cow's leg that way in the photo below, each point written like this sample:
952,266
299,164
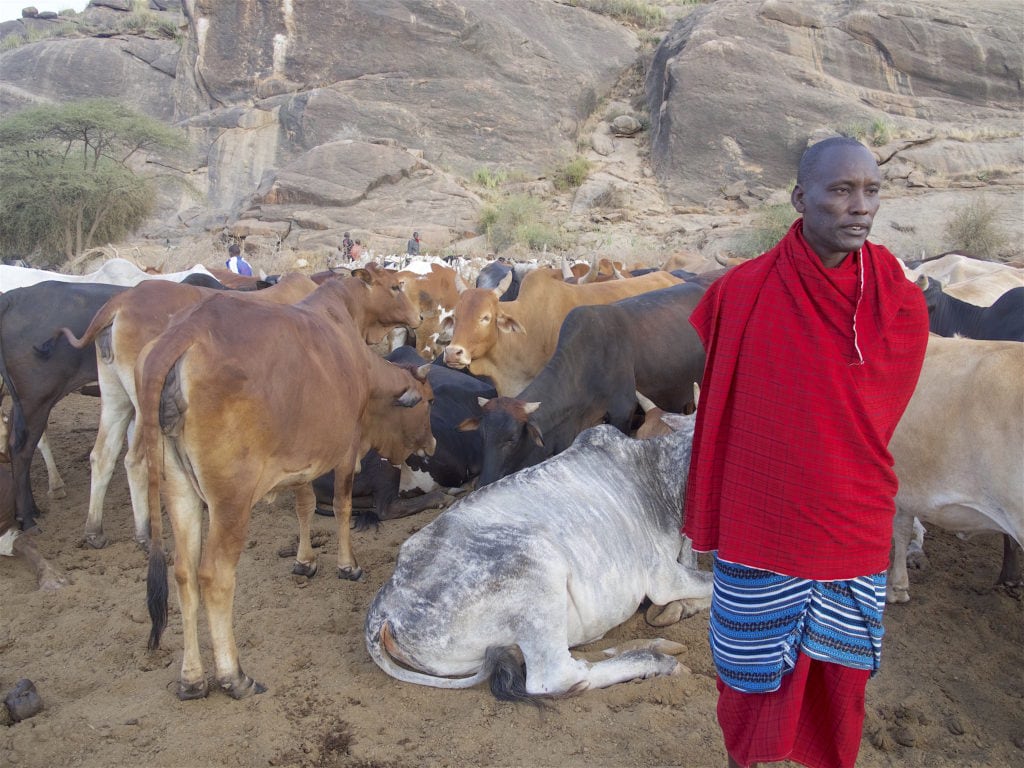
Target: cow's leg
678,591
138,481
347,566
552,670
54,480
48,576
185,510
116,410
305,557
229,526
898,587
1011,571
22,444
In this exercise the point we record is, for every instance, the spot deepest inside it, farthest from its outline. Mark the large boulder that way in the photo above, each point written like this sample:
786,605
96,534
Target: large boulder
736,89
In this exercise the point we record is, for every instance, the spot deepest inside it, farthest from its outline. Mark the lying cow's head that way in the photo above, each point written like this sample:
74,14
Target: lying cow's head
510,440
474,327
398,415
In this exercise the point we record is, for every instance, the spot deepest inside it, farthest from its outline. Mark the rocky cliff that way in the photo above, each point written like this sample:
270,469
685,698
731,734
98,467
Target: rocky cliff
312,117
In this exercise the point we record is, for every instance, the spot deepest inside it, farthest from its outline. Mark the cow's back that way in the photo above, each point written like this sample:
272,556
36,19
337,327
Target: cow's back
961,440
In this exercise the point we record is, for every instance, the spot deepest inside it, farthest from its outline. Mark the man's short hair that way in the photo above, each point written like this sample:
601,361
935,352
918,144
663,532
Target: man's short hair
234,250
813,154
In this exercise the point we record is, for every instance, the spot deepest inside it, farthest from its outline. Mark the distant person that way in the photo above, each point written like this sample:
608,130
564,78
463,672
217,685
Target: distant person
346,247
412,248
236,263
356,251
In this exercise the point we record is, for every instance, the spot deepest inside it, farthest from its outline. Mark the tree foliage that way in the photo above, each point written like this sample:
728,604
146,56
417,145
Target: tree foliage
71,178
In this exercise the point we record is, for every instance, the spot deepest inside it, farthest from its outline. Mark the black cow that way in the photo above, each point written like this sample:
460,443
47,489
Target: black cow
455,461
605,354
490,277
949,316
39,370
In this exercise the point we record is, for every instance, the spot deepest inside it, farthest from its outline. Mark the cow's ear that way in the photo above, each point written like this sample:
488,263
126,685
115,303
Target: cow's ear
535,435
423,371
529,408
469,424
508,324
363,274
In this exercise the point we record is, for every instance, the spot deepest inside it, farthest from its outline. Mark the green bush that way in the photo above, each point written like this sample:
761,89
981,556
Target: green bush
571,174
518,220
489,179
975,229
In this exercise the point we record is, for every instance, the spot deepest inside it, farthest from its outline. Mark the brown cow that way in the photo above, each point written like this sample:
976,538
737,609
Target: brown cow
131,319
238,399
511,341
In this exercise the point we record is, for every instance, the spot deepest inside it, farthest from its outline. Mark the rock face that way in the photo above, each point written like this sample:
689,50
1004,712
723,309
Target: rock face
311,118
736,89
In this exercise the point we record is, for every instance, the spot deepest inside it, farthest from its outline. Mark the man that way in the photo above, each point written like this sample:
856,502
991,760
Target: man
412,248
236,263
346,247
813,352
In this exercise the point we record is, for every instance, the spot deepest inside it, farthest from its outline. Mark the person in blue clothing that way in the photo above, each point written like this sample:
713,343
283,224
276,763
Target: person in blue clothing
236,263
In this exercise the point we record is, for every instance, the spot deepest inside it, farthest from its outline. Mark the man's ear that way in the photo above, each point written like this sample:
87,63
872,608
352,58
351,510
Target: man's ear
797,198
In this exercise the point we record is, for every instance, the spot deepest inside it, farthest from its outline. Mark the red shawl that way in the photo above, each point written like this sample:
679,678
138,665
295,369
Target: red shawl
808,372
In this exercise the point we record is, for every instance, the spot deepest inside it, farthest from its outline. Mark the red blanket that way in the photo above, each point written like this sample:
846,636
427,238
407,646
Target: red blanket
808,372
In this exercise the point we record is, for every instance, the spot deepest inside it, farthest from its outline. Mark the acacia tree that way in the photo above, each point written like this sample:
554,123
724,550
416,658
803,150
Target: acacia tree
71,175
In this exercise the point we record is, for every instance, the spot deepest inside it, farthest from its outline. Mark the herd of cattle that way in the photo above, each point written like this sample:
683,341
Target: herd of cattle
407,387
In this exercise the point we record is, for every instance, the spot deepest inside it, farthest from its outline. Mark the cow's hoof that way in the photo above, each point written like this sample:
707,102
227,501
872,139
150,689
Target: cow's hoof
897,596
244,688
304,569
351,574
96,540
58,493
192,691
23,701
664,615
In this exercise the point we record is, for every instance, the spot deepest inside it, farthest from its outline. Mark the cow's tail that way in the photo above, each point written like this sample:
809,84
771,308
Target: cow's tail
154,365
103,318
501,667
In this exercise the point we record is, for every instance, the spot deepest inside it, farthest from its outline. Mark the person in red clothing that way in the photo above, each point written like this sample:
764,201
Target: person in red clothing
813,351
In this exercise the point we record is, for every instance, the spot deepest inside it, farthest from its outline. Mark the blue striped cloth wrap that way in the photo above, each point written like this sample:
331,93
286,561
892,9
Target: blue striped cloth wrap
760,620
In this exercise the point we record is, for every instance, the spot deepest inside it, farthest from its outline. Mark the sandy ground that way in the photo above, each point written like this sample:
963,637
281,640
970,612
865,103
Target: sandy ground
951,691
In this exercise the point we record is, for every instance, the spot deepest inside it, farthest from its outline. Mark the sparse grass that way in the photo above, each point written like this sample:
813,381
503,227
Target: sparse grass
975,229
772,223
571,174
489,179
643,15
518,220
877,133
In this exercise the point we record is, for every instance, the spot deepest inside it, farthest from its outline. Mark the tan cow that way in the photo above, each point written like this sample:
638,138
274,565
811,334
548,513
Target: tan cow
238,399
511,341
959,448
131,319
434,295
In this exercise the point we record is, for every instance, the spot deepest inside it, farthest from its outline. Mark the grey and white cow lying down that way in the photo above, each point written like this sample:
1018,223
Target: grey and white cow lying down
551,557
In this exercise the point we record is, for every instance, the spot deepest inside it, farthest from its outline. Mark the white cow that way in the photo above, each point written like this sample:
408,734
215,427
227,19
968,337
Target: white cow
548,558
112,272
975,281
959,449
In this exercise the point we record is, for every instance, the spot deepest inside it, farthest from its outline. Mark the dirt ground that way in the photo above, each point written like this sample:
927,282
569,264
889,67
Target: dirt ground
951,690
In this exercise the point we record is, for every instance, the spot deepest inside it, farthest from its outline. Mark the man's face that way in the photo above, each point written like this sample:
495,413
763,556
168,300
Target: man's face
839,200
